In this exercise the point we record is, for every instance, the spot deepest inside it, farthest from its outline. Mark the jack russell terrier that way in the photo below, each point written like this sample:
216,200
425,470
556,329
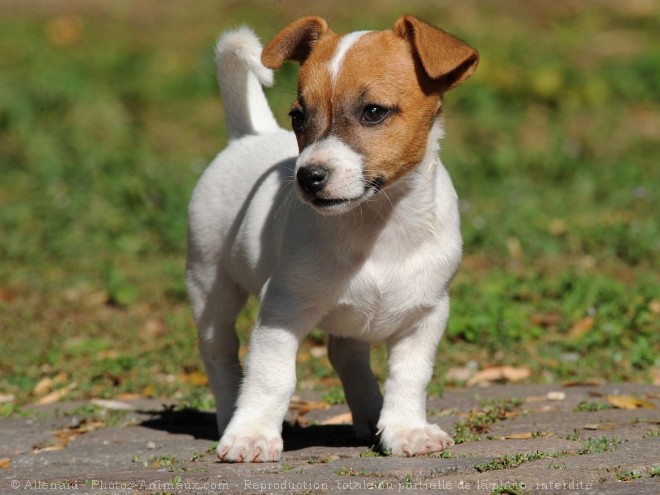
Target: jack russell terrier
349,224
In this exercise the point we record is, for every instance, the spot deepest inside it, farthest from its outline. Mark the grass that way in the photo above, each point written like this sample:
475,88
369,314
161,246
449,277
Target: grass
108,115
479,420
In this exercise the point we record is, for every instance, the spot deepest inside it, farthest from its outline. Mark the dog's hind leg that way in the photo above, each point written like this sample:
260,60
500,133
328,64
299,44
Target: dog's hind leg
215,316
350,358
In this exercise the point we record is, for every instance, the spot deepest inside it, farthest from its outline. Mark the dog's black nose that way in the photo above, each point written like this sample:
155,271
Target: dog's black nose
312,178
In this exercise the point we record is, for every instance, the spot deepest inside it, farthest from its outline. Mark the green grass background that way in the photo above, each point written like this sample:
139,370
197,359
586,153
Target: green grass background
109,112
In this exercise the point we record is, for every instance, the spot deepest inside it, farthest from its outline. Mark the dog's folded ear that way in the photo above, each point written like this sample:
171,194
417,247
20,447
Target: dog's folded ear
294,42
444,57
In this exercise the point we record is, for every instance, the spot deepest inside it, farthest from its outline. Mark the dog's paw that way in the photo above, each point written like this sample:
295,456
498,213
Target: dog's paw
250,448
411,441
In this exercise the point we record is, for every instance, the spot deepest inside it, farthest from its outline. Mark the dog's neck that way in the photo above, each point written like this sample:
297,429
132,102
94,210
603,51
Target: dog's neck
403,214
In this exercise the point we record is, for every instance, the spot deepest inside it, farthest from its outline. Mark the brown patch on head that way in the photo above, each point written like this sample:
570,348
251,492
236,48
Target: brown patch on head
381,70
399,75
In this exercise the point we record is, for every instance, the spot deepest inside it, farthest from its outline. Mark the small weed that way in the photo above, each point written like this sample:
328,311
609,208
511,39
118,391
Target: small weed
9,409
372,453
655,471
335,397
285,467
627,475
654,432
349,471
586,406
557,465
513,461
407,481
90,412
575,436
508,489
596,445
478,421
166,461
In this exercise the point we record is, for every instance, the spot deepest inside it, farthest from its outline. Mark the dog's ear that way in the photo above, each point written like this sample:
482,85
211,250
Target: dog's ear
294,42
444,57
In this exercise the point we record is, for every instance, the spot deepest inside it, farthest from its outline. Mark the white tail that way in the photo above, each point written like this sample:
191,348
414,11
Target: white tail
240,76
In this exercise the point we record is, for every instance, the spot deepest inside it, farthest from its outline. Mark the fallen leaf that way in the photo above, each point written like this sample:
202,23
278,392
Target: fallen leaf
128,396
56,395
498,374
49,448
600,426
196,378
43,386
6,295
460,374
556,395
518,436
149,390
5,463
546,320
7,398
302,407
655,376
340,419
654,306
581,327
114,405
584,383
629,402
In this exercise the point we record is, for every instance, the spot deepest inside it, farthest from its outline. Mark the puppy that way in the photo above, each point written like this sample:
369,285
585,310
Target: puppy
349,224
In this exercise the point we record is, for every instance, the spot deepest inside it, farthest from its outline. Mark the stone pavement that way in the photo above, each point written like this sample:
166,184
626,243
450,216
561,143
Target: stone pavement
553,439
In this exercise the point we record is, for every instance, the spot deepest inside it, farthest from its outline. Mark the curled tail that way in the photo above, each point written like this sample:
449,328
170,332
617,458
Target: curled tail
240,76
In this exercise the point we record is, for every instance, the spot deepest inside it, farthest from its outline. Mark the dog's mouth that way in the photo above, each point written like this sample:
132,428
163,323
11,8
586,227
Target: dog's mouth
340,205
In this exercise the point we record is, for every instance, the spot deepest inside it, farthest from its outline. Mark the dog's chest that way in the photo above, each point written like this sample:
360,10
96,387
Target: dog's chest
387,295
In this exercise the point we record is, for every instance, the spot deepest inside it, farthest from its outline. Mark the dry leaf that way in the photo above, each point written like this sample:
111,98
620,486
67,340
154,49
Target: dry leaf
654,306
629,402
128,396
556,395
518,436
584,383
5,463
546,320
48,448
581,327
302,407
44,386
499,373
340,419
601,426
460,374
57,395
113,405
196,378
7,398
655,376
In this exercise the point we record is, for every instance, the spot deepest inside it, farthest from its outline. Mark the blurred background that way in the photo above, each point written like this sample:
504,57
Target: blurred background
109,112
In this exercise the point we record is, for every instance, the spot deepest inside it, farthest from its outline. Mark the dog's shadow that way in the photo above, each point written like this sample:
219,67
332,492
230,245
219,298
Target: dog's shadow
201,425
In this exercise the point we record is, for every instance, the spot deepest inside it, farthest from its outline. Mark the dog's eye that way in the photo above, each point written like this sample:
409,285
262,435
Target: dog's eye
374,114
297,119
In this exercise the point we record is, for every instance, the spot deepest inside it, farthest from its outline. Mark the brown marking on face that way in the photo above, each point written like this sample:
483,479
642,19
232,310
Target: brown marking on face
405,71
397,144
314,90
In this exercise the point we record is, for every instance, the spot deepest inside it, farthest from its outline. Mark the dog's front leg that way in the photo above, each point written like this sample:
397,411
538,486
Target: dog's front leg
402,425
254,433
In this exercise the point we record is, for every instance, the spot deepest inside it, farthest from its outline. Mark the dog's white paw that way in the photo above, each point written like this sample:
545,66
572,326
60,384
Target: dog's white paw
254,447
411,441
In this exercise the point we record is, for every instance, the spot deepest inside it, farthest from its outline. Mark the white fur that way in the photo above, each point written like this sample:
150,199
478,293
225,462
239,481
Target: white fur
377,272
345,171
246,108
335,64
